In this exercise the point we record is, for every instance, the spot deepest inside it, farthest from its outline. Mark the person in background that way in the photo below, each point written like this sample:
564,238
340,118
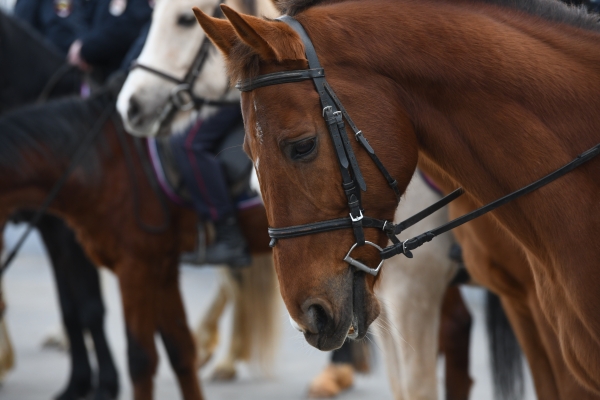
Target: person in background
111,28
60,22
95,35
195,154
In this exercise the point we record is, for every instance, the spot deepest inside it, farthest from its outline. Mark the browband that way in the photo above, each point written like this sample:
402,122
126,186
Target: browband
277,78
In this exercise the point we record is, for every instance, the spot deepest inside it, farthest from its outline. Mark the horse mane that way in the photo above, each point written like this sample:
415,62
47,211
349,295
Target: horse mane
33,36
552,10
53,132
244,62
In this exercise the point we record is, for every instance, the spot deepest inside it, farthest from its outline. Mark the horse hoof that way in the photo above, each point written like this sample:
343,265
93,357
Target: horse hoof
223,374
334,379
203,359
56,342
71,393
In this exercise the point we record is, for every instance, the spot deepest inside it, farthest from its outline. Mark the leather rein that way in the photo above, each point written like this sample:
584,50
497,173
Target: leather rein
353,182
182,97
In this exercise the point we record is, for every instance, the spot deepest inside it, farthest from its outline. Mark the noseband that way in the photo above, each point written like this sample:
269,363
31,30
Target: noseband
182,97
353,182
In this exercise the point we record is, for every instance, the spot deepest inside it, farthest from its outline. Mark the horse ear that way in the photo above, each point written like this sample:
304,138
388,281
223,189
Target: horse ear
218,30
272,40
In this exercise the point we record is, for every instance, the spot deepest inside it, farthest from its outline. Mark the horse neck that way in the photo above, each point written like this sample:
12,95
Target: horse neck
38,166
69,84
498,99
28,63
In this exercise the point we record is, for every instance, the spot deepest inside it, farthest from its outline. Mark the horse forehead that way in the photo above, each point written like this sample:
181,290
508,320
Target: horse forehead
284,109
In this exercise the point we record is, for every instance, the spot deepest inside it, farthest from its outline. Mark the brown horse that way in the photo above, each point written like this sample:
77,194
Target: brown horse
496,261
494,95
102,201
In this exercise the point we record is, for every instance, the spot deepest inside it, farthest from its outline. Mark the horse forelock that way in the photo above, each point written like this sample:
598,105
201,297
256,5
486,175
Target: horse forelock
51,132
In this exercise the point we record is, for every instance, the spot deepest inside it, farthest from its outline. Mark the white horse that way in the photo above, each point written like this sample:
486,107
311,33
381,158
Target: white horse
411,290
173,42
172,45
411,293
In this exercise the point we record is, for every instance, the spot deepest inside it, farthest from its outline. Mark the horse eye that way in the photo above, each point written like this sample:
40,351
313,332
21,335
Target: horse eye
186,20
303,148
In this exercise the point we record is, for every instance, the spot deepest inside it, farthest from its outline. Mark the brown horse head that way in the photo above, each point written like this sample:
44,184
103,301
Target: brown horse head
299,175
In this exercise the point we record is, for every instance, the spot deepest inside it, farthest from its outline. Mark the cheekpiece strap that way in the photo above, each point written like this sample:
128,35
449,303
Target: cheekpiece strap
309,49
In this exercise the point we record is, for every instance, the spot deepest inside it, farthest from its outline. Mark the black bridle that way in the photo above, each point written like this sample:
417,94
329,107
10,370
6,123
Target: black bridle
182,97
353,182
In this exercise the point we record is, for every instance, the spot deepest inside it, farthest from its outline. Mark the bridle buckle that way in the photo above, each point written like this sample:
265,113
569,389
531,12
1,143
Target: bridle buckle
185,102
360,216
357,264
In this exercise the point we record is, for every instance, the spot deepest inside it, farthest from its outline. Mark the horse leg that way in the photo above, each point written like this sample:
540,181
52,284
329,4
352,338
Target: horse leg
390,350
225,369
7,358
413,293
176,335
139,293
207,332
60,244
85,284
455,335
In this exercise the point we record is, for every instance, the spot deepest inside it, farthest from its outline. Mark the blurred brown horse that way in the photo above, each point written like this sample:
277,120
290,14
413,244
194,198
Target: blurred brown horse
494,94
140,241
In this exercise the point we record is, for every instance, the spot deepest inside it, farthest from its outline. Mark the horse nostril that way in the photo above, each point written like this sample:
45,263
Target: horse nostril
134,108
319,317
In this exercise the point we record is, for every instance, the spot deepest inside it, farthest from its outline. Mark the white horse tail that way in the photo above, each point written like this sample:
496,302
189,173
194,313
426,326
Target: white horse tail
260,325
7,356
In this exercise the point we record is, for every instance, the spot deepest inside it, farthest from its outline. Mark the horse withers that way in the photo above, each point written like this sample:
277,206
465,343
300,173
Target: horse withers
504,94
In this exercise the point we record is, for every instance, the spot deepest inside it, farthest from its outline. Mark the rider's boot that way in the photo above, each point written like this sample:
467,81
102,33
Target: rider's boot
229,246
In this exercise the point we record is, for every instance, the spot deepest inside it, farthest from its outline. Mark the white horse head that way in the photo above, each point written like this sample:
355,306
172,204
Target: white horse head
173,42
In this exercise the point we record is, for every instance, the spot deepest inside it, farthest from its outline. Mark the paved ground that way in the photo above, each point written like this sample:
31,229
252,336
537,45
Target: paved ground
33,313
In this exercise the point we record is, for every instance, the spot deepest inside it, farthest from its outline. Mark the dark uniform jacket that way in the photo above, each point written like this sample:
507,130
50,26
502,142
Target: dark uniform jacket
112,28
59,21
106,28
